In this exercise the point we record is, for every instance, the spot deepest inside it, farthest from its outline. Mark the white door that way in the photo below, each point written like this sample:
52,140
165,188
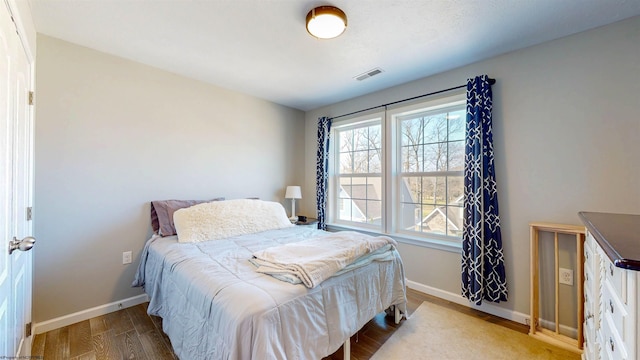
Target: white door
16,178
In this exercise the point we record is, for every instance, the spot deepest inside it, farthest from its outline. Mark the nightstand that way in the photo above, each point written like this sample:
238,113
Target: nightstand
312,223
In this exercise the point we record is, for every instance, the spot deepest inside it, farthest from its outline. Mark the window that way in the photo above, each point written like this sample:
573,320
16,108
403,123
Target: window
357,185
430,171
401,172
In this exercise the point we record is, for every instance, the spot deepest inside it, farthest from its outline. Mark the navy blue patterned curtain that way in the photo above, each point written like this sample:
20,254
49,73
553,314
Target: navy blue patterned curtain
483,275
322,170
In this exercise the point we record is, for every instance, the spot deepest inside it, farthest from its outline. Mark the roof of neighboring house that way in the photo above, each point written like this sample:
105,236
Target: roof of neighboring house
454,219
359,193
458,201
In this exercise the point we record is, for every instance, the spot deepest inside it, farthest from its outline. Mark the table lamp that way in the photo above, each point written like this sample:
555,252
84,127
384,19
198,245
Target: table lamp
293,193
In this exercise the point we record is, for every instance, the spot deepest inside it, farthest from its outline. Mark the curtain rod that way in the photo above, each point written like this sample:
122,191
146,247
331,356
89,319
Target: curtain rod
491,82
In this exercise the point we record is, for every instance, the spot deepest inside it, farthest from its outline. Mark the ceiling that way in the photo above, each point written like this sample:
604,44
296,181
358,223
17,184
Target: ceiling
261,47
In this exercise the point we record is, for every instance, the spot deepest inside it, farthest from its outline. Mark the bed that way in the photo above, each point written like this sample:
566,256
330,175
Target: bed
215,305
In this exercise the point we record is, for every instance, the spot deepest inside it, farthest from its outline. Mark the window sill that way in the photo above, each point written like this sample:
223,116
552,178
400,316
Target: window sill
402,238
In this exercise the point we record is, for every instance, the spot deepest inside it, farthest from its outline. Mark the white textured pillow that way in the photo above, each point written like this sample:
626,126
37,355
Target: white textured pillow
222,219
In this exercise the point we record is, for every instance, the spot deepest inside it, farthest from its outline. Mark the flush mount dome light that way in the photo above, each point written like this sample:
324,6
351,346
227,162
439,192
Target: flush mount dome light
326,22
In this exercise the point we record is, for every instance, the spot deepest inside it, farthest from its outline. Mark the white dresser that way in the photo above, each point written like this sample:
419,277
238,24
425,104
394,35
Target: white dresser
611,293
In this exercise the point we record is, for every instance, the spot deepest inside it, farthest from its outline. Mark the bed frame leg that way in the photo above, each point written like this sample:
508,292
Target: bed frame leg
347,344
347,349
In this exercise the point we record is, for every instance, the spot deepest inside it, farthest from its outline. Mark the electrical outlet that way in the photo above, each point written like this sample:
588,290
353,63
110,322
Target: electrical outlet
126,257
565,276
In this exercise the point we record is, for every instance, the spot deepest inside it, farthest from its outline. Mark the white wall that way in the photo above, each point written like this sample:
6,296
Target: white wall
567,139
112,135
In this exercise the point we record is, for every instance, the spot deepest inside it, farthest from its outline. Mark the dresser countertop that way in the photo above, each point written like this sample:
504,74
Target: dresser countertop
618,235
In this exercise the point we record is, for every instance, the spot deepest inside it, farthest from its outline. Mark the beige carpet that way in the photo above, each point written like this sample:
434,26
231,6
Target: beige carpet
435,332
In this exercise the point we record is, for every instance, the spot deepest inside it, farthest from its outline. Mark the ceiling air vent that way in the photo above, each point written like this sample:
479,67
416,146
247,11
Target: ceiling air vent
368,74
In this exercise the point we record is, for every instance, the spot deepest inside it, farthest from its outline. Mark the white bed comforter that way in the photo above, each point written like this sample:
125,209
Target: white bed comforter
215,305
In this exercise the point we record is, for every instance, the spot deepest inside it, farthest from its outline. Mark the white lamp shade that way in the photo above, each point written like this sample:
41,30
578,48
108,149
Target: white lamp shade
293,192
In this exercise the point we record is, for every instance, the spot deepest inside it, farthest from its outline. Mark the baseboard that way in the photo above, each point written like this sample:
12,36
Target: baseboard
458,299
42,327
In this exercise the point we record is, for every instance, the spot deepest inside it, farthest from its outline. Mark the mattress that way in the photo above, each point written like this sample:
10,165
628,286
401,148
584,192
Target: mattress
214,305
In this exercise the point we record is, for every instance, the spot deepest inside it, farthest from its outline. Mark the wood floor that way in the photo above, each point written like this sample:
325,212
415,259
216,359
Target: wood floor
132,334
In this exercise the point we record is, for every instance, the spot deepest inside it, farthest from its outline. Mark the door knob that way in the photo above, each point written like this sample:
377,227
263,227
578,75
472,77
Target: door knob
22,245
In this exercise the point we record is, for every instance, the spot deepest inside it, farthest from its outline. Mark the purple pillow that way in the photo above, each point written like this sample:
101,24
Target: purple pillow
162,214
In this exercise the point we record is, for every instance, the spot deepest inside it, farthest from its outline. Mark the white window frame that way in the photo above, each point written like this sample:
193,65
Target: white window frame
391,175
394,117
334,179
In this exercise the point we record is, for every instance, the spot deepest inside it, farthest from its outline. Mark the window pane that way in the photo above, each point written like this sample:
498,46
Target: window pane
410,215
435,157
344,212
362,199
346,140
375,137
456,156
361,138
360,150
412,158
411,190
346,163
454,220
427,218
360,162
457,121
435,128
344,199
375,161
428,190
436,203
374,188
412,131
455,190
374,212
441,190
345,188
434,190
434,220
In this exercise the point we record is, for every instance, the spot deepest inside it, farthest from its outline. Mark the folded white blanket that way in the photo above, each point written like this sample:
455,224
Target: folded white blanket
317,259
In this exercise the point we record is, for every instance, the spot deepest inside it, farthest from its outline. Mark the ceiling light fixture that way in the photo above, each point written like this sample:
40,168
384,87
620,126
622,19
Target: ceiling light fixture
326,22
